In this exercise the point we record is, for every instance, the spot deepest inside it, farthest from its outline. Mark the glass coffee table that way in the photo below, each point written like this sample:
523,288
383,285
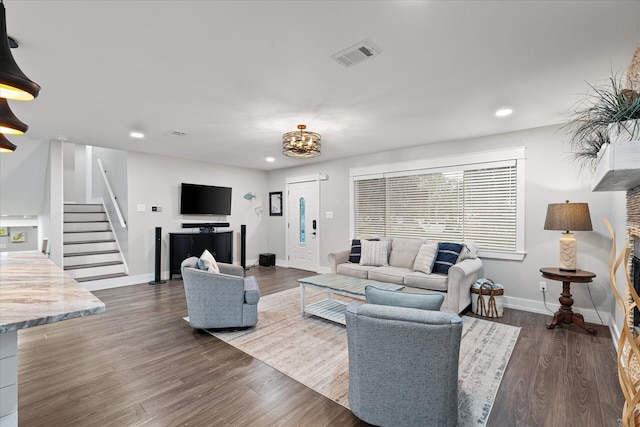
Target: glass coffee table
332,309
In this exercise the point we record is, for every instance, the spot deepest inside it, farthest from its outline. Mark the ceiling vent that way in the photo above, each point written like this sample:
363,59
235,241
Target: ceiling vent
357,53
176,133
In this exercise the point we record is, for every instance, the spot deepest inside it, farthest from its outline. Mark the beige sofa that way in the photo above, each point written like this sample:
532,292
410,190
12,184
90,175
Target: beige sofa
400,270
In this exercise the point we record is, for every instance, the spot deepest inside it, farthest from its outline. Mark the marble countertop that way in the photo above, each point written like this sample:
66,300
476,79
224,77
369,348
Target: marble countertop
35,291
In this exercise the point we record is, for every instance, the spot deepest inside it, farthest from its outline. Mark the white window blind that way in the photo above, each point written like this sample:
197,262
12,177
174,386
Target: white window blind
370,211
474,202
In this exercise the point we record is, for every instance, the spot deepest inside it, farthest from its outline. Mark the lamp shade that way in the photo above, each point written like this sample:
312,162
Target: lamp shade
6,146
9,123
568,216
14,84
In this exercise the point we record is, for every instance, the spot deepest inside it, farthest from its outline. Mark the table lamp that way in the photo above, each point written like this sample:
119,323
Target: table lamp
568,216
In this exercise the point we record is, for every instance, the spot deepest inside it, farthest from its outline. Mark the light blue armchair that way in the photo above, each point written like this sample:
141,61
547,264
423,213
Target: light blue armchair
403,365
224,300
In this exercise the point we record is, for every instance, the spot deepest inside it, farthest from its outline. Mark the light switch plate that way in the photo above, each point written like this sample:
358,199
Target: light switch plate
328,214
141,208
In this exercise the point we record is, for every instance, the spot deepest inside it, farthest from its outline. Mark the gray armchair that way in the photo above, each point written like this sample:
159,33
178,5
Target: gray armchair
224,300
403,365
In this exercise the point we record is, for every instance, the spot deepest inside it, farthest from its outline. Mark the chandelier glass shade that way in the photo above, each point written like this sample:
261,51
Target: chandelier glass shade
301,144
14,84
5,145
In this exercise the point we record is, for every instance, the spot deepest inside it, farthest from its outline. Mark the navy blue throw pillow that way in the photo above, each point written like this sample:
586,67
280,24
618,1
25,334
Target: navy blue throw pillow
447,256
356,251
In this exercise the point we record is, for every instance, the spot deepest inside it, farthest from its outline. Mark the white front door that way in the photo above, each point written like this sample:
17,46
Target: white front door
303,212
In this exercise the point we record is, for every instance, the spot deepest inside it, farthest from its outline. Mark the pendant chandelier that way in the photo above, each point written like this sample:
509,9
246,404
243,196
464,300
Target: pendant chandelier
9,123
301,144
14,84
5,145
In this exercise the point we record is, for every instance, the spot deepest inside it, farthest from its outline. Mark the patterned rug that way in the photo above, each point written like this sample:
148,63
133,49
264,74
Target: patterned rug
313,352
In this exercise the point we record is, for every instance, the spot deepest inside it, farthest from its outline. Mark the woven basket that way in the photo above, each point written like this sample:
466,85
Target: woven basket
487,299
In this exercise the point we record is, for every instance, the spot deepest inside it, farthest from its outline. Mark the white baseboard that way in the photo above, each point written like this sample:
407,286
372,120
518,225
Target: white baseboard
319,270
589,315
118,282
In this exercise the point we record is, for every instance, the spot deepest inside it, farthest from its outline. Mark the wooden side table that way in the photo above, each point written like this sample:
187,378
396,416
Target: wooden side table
566,314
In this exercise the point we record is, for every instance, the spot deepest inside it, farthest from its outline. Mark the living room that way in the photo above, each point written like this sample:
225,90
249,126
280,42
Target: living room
39,168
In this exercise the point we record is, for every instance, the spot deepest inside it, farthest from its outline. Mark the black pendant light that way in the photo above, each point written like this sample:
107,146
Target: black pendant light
9,123
6,146
14,84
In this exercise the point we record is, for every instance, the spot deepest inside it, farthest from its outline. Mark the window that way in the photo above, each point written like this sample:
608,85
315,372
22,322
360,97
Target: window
302,236
479,201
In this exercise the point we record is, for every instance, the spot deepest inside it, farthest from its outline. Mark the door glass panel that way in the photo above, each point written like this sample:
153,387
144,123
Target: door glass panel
302,238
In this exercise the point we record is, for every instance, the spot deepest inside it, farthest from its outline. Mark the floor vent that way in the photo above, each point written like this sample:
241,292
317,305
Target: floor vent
357,53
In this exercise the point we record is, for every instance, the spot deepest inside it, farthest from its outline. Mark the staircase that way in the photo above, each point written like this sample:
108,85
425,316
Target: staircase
89,247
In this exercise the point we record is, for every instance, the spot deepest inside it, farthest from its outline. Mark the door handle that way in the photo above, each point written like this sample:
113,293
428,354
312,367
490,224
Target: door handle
314,225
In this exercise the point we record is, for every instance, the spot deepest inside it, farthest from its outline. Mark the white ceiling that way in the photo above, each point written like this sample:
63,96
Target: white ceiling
236,75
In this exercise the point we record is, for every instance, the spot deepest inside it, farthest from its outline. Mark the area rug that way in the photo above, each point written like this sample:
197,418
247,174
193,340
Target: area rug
313,352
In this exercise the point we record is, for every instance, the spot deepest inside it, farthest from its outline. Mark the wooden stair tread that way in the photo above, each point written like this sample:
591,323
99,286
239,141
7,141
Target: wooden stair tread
84,242
111,251
96,264
102,277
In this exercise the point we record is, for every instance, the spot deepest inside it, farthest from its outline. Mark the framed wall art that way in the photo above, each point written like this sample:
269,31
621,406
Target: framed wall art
275,203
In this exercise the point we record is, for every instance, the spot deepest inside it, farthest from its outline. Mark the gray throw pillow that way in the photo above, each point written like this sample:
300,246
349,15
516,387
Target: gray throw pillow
403,299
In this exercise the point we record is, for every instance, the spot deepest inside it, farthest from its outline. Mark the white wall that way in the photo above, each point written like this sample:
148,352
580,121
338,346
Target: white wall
155,181
551,177
22,177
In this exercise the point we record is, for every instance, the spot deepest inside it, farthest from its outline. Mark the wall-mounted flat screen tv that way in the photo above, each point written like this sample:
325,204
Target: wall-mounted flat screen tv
205,200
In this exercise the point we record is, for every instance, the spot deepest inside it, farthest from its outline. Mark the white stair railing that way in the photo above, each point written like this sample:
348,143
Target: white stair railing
114,200
110,202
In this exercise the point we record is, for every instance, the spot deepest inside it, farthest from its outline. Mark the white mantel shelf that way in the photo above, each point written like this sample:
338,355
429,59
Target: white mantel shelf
618,167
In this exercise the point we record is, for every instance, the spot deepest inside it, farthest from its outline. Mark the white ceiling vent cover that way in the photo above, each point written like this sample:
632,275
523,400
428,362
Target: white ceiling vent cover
176,133
357,53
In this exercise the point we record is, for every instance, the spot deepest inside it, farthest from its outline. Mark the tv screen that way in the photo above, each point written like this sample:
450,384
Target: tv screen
205,200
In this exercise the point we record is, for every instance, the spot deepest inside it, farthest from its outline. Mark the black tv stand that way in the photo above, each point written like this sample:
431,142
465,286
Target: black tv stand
185,245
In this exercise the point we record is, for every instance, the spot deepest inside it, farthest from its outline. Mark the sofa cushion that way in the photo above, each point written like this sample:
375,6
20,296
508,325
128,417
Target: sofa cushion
432,282
389,274
425,258
208,262
404,251
375,253
354,270
447,256
403,299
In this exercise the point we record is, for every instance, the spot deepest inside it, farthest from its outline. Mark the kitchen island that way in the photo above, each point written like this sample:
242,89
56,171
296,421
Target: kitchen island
33,291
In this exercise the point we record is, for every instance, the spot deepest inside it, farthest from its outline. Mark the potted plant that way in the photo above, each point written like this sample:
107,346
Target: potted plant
607,114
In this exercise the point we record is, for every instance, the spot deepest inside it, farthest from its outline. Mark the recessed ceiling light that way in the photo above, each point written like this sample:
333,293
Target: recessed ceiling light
136,135
504,112
270,159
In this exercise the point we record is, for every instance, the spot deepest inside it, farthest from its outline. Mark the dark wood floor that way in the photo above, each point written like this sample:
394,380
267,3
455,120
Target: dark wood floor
140,364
